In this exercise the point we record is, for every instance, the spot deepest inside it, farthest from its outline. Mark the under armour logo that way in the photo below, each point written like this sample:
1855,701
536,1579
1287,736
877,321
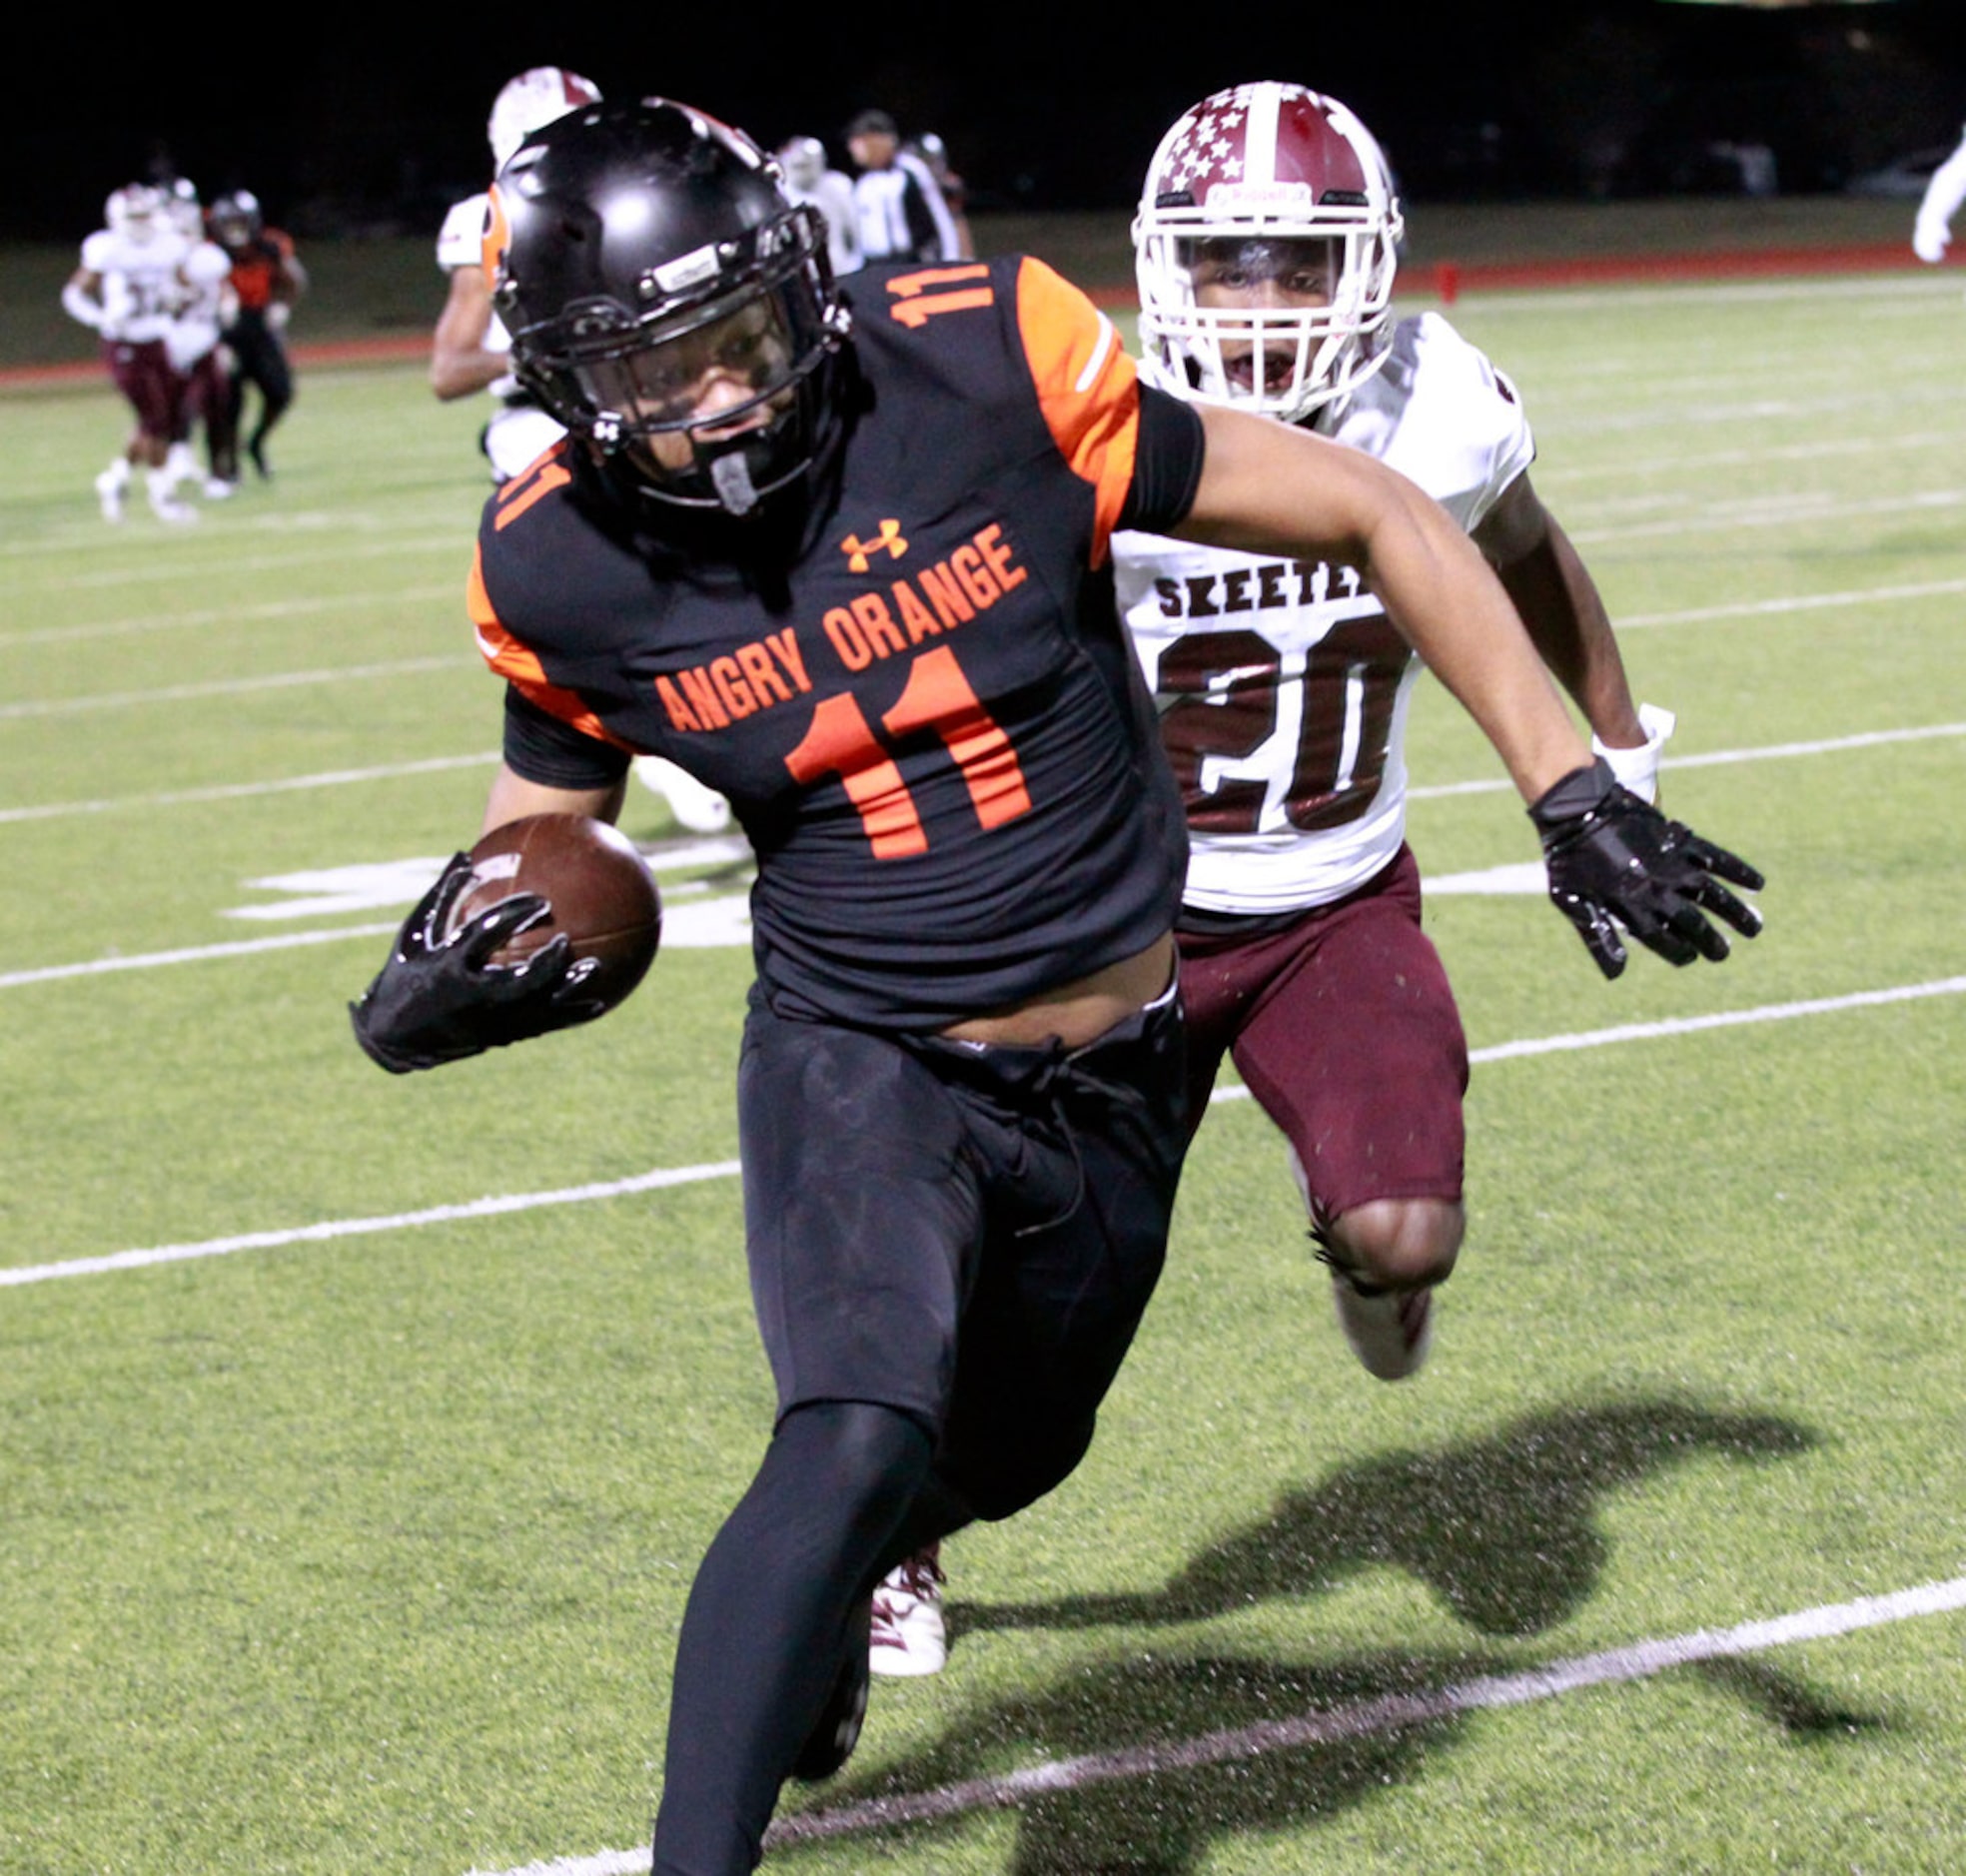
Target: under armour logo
858,552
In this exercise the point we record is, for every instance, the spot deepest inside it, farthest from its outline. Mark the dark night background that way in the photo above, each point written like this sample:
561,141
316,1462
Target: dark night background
343,130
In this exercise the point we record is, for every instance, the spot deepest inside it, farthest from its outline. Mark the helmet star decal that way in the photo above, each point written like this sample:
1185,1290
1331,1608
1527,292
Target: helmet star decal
1206,141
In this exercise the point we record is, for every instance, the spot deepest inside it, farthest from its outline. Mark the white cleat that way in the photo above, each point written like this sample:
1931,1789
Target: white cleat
908,1635
109,492
162,486
1391,1330
701,810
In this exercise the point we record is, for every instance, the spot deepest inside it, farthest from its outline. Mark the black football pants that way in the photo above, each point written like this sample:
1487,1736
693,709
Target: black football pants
950,1251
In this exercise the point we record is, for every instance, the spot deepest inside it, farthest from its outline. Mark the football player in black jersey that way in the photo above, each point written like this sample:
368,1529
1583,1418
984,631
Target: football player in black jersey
840,551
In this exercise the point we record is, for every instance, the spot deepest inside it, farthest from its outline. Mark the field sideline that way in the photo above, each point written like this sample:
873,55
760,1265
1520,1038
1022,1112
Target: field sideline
362,1433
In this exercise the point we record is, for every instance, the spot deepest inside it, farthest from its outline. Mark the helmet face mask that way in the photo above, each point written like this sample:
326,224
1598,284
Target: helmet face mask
1257,192
666,303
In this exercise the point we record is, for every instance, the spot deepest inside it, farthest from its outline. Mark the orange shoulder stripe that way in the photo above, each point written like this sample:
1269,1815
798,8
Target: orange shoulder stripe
1086,386
519,666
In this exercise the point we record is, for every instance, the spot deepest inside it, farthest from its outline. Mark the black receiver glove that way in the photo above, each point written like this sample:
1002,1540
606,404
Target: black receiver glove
1611,857
438,999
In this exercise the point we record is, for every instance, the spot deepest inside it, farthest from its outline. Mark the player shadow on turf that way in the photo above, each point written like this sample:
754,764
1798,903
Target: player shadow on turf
1129,1817
1786,1701
1157,1758
1503,1528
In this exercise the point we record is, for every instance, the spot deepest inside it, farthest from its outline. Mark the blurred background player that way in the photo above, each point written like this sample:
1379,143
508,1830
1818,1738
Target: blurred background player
470,350
193,345
125,287
897,204
810,178
1931,231
266,282
1265,248
955,192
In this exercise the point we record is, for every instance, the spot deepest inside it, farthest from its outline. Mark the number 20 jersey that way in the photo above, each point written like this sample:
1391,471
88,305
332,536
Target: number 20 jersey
1282,686
930,722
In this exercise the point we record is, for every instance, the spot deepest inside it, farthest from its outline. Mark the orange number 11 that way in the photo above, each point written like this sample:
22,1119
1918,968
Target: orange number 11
936,697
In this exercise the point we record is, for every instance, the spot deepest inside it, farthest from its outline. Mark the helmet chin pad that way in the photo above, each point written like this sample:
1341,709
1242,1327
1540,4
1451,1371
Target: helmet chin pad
730,471
733,474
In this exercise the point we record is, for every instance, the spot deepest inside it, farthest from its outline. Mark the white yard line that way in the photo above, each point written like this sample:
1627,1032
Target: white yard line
1797,602
194,954
1686,1025
725,1169
1719,758
227,687
493,1207
1795,511
247,791
253,615
1362,1719
336,779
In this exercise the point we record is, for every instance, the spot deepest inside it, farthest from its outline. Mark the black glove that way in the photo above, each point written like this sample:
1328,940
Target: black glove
438,1000
1611,857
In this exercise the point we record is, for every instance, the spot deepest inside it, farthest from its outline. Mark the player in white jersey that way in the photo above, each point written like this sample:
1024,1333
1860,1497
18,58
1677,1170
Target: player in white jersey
810,178
471,352
127,288
1265,247
203,306
1945,190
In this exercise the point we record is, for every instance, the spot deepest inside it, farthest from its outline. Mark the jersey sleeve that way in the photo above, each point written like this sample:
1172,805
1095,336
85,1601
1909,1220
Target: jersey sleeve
511,658
1446,419
461,241
1085,388
542,749
1168,464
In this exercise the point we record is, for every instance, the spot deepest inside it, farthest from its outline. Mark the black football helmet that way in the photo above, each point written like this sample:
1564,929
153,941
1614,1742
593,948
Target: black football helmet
235,219
638,253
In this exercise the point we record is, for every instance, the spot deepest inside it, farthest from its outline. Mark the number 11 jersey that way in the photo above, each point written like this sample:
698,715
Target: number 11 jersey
926,715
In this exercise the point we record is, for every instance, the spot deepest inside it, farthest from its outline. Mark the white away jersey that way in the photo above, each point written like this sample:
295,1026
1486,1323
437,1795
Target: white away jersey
460,243
205,287
141,288
1282,686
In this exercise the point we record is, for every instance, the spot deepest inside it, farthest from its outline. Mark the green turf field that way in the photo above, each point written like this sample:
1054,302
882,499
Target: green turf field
362,1433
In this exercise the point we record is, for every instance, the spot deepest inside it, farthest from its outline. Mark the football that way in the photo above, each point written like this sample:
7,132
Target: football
599,889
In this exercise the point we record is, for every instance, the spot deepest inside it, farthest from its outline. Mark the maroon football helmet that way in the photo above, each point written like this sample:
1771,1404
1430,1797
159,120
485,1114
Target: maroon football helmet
1253,168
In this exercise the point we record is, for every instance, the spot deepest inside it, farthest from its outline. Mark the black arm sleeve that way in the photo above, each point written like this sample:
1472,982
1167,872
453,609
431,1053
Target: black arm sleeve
541,748
1167,464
